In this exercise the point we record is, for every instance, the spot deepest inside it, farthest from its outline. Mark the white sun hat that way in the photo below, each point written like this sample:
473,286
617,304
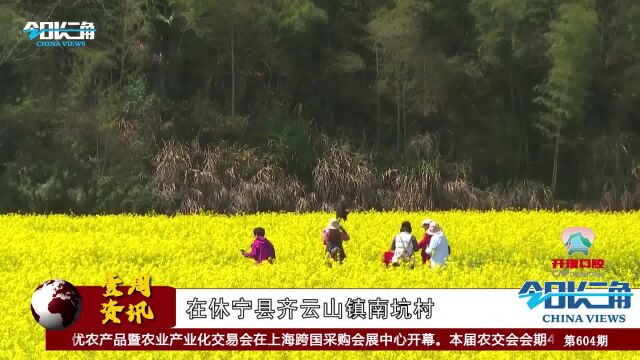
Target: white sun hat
434,228
427,221
334,224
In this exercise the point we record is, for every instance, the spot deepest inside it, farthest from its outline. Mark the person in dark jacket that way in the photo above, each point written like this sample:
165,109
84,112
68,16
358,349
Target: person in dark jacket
342,209
261,248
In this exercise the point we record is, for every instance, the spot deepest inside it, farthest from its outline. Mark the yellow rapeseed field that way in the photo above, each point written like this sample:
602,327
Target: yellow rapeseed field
490,249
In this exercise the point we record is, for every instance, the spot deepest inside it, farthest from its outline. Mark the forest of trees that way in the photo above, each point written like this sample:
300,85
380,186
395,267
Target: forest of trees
255,105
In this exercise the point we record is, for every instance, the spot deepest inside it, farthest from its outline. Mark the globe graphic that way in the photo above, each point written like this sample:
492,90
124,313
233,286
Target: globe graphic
56,304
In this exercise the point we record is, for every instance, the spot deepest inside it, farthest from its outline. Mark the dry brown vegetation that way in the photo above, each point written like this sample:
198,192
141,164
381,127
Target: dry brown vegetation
228,178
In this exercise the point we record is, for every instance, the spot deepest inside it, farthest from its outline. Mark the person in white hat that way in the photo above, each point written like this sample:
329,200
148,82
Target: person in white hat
332,236
438,246
426,239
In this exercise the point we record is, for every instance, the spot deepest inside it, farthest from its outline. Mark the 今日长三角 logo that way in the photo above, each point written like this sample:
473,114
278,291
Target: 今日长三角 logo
60,33
578,299
578,242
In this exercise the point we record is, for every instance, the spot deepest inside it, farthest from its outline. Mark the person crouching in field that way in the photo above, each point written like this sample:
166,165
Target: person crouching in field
261,248
438,246
403,246
332,236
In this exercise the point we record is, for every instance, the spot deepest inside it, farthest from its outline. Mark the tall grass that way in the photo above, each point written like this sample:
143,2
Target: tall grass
228,178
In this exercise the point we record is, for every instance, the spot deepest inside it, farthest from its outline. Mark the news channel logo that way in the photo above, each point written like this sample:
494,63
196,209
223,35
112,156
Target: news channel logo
60,33
576,294
579,302
573,295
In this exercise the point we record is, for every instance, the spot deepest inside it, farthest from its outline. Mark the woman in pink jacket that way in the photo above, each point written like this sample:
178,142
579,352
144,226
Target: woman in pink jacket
261,248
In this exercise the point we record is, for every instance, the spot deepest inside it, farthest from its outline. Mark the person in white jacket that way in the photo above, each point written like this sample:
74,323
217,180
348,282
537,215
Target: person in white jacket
404,245
438,247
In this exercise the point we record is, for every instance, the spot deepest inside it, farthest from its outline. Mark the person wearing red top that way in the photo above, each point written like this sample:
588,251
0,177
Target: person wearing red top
333,236
424,243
